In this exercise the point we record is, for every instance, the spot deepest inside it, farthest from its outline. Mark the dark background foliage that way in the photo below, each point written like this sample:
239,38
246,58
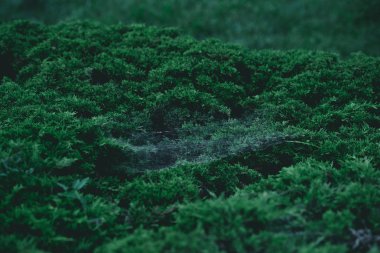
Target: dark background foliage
340,26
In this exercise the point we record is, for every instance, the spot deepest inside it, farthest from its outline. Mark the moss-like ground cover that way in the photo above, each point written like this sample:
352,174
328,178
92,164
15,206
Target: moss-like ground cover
69,92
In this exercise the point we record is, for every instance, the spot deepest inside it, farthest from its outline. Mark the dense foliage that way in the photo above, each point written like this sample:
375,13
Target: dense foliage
333,25
71,92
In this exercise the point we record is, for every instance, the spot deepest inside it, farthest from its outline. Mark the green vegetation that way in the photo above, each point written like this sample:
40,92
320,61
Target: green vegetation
332,25
73,94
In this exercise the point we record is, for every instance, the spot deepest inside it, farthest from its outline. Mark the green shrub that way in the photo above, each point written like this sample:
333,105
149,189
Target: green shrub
75,95
304,208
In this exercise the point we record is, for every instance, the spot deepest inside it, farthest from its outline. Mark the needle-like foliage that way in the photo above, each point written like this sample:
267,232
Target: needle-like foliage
140,139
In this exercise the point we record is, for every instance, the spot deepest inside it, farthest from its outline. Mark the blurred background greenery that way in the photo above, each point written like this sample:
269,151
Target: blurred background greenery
342,26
